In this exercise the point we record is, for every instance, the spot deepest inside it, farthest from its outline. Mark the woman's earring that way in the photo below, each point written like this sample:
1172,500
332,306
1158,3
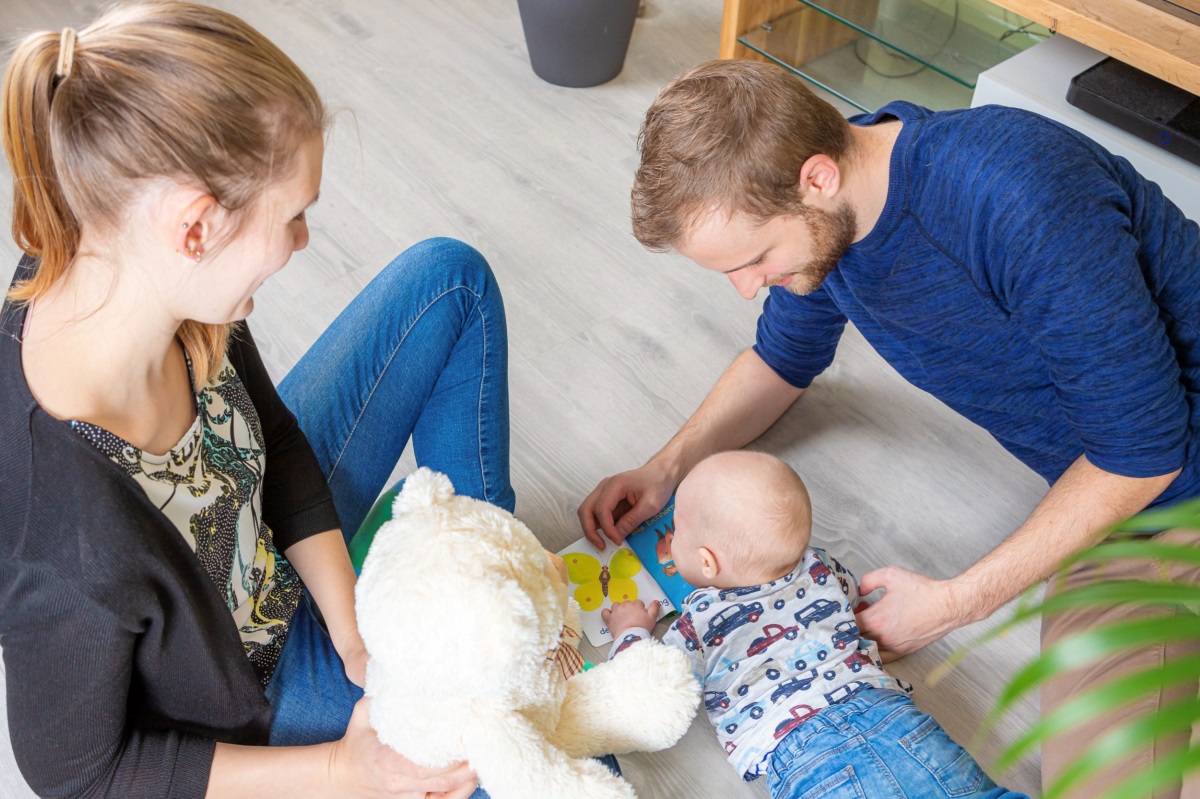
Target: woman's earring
195,255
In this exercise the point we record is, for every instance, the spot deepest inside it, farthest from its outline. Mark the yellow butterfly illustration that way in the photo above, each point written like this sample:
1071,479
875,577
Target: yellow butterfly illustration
597,581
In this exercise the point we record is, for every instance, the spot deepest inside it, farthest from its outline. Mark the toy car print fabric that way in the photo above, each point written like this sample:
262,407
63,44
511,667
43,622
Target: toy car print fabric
771,656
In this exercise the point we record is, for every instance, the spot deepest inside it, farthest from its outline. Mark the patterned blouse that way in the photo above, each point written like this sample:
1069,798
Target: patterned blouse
210,486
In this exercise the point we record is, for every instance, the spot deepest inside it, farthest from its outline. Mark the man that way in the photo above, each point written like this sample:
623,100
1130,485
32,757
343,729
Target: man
1004,263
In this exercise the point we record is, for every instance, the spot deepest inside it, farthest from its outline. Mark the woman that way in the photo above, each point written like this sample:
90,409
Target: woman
173,524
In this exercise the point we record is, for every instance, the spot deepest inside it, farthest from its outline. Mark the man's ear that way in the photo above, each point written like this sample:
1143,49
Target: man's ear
709,566
820,181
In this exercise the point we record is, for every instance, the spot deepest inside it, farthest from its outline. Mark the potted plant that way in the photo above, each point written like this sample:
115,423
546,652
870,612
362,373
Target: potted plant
1085,647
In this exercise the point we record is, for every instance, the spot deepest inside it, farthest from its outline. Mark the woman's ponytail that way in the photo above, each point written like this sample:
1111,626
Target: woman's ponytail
43,225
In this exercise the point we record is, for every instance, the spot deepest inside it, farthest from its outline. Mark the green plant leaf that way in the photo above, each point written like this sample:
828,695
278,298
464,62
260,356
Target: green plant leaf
939,672
1087,646
1184,515
1122,741
1165,771
1136,549
1085,707
1098,594
1120,592
1184,595
1125,541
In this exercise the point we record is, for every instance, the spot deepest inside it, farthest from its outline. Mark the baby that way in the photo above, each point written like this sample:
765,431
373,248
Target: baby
793,691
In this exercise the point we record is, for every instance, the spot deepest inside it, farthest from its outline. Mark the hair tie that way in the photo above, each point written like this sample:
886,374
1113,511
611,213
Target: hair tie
66,53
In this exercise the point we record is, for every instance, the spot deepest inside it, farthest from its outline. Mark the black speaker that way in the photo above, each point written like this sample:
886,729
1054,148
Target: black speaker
1141,104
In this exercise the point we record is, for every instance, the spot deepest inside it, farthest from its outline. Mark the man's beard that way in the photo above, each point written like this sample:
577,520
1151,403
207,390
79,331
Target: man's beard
832,235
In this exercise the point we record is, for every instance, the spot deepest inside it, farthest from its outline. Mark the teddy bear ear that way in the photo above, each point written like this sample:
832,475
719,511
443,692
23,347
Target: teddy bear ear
422,489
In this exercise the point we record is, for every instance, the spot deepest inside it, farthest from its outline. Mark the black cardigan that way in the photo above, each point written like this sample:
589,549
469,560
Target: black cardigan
123,665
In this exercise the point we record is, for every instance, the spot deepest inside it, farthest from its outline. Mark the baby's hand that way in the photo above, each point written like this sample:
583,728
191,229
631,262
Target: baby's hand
624,616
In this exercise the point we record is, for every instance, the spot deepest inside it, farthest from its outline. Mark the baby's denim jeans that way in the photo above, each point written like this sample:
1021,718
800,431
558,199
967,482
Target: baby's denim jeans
876,745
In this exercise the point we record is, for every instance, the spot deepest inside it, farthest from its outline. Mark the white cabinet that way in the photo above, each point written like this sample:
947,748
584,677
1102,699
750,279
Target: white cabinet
1037,80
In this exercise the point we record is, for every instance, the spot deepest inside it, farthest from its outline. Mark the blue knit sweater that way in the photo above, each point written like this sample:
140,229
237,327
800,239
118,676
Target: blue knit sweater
1030,280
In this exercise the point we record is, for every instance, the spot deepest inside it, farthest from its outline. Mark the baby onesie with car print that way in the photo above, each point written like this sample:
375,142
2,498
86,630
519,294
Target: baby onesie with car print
771,656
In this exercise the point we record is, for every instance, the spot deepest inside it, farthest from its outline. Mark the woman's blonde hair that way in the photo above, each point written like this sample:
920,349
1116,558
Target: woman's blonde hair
148,91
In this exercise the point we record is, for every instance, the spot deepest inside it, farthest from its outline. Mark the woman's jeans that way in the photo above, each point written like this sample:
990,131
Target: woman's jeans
876,745
421,353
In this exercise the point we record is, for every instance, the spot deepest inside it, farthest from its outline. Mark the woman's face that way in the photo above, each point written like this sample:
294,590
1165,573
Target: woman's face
221,288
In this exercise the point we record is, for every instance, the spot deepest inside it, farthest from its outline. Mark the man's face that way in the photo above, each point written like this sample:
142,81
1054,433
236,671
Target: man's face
794,251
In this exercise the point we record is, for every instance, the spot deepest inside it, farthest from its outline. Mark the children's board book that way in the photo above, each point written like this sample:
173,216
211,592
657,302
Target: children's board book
640,568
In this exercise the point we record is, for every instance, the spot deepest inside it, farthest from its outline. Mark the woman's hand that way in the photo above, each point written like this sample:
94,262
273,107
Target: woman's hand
361,766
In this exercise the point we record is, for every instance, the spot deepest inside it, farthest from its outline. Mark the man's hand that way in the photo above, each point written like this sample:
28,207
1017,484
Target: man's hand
624,616
621,502
914,611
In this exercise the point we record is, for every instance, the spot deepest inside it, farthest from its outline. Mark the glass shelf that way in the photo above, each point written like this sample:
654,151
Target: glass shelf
870,52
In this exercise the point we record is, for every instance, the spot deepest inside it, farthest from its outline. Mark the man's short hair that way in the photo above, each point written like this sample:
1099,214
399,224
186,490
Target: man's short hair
729,136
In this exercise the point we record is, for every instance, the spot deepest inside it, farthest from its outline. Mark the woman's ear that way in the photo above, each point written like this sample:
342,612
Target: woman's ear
194,229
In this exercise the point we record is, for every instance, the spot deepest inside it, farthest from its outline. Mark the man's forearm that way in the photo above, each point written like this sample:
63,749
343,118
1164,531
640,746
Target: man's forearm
1072,516
747,399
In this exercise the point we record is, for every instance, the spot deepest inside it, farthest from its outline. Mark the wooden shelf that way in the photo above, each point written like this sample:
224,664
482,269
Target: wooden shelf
1155,36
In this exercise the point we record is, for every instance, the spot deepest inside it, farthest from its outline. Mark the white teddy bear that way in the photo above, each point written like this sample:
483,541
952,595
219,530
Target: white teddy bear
472,635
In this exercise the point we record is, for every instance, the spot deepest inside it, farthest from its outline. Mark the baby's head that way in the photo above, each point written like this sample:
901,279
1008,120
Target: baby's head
741,519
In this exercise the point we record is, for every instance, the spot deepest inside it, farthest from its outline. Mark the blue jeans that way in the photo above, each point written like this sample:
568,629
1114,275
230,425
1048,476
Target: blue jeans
421,352
876,745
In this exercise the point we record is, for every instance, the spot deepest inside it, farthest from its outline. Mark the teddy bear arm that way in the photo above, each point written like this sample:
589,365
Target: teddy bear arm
641,701
515,761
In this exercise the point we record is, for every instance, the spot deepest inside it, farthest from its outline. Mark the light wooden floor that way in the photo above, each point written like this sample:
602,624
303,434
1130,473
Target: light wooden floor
444,130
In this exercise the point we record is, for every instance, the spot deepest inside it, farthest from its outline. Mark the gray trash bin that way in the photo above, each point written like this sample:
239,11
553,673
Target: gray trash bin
577,43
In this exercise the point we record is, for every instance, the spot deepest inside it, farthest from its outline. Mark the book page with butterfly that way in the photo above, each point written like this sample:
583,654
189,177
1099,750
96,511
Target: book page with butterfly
641,568
598,579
